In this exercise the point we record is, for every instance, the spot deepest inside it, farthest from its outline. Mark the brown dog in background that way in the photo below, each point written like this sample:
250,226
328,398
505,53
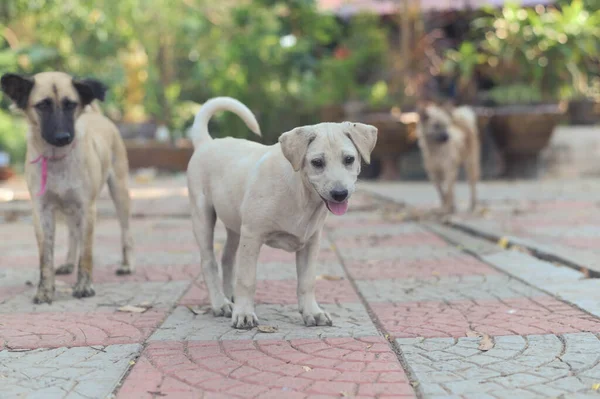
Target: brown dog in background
449,137
72,151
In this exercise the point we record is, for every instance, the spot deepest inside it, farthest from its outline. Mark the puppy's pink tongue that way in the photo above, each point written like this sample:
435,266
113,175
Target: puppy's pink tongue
337,208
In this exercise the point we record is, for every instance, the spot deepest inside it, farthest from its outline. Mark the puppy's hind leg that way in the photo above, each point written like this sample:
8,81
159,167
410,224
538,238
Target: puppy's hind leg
119,192
473,169
120,196
204,219
228,263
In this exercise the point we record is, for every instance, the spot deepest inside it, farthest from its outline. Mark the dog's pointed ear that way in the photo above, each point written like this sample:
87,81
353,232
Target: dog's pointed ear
90,90
364,138
17,88
294,144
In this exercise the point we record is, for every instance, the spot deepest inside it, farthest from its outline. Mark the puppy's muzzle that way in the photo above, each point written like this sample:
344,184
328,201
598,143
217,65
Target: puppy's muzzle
62,139
339,195
442,137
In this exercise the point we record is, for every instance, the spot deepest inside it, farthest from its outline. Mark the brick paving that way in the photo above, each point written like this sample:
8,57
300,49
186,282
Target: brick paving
403,300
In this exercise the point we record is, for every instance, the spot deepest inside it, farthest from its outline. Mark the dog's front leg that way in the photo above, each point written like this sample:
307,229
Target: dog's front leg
306,267
245,284
83,288
45,225
74,241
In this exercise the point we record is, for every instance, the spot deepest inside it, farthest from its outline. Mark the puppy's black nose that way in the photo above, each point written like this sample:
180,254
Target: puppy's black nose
442,137
62,139
339,195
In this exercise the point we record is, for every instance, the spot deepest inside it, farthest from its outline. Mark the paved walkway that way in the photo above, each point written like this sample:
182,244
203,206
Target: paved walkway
419,309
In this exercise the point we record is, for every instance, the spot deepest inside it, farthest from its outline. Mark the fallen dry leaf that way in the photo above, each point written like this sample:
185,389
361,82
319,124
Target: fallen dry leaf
519,248
472,334
596,387
197,310
503,242
486,343
267,329
329,277
306,368
132,309
586,272
369,346
344,394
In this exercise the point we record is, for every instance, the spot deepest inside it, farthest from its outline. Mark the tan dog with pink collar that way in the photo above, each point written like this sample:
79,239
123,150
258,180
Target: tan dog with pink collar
72,150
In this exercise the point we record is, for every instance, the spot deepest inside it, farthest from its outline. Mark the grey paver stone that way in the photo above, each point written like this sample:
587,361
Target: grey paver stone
349,320
108,295
65,372
453,288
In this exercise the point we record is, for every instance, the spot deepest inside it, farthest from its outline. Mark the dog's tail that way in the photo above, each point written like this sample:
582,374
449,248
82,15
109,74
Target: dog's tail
465,117
199,132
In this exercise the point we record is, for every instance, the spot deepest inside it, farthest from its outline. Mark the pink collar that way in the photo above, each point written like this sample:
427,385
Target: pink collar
44,159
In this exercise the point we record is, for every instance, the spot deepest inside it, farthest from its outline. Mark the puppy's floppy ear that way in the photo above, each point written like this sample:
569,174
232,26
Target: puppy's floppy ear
364,138
90,90
17,88
294,144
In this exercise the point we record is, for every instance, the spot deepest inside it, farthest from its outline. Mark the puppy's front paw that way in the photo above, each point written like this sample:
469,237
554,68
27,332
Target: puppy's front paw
44,295
313,315
83,290
319,318
243,319
124,270
223,310
67,268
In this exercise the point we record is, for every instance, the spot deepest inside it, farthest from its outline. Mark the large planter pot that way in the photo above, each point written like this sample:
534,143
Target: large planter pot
145,131
163,156
582,112
396,135
521,132
6,173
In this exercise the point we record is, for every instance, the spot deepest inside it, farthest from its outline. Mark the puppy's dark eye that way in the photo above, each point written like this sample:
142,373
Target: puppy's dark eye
348,160
69,105
317,163
44,105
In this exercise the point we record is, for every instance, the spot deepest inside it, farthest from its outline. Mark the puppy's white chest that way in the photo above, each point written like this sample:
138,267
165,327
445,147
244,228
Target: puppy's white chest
285,241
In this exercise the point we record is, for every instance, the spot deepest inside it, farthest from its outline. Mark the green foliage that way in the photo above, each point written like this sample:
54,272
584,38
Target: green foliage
12,136
544,53
282,58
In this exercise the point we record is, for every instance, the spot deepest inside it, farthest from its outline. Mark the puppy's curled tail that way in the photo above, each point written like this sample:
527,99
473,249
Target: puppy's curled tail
466,117
199,132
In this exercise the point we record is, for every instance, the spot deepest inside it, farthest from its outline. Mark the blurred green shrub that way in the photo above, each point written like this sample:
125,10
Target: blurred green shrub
541,53
284,59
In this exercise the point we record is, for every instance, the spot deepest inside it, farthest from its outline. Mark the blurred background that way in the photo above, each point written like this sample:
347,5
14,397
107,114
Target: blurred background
530,68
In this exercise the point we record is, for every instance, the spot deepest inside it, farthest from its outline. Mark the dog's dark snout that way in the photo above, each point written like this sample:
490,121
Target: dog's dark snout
442,137
62,139
339,195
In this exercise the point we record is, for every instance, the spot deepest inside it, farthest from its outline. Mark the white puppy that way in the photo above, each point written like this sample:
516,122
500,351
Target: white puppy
275,195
